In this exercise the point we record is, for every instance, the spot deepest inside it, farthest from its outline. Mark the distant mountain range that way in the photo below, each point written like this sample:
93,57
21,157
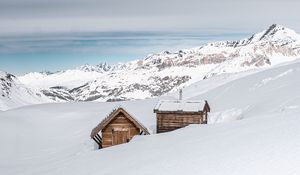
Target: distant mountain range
14,94
154,75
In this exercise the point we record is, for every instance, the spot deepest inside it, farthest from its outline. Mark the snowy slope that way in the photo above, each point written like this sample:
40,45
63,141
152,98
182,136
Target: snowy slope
157,74
14,94
54,138
267,146
164,72
267,92
69,78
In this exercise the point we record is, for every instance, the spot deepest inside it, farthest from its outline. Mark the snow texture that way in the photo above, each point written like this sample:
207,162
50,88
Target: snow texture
179,105
14,94
166,72
260,136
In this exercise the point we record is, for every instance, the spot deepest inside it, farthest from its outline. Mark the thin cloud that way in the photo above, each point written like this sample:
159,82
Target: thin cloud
31,16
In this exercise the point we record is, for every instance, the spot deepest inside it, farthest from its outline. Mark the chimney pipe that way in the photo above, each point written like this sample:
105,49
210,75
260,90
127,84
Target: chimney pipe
180,94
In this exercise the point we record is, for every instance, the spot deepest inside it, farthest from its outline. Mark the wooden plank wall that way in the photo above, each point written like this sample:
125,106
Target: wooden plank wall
120,122
171,121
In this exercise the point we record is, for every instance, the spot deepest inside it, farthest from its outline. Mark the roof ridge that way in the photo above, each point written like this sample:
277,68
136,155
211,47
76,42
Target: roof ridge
180,105
136,120
109,117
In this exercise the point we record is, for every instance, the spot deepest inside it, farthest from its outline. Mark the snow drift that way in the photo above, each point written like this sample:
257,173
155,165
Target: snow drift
54,138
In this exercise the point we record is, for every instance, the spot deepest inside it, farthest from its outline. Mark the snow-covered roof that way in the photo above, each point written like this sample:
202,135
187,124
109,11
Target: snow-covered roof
113,114
178,105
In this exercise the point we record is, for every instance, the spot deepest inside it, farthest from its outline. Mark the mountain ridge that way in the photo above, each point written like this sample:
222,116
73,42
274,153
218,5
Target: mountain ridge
164,72
15,94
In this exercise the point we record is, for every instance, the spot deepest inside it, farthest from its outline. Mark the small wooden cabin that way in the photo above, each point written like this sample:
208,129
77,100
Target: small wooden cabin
171,115
117,128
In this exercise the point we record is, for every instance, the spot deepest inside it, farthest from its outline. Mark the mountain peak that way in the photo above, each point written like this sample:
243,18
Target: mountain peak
5,75
271,30
276,26
46,72
278,32
102,67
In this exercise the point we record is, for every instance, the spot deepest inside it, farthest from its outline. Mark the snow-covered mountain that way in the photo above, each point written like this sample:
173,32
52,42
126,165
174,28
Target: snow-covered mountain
257,133
14,94
160,73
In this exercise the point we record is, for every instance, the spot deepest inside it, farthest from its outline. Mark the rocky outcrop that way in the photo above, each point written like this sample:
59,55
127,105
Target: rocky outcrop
160,73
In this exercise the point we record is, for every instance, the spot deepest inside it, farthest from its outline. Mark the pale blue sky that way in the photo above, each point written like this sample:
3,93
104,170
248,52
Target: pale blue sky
53,52
38,35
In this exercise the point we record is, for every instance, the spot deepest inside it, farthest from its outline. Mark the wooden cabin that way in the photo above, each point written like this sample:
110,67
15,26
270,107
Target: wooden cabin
117,128
171,115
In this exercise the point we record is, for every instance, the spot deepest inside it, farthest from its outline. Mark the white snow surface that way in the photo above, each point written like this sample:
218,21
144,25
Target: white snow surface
69,78
14,94
180,105
266,92
159,73
261,135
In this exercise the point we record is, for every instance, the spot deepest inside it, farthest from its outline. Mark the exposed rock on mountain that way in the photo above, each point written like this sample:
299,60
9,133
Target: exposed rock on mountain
164,72
14,94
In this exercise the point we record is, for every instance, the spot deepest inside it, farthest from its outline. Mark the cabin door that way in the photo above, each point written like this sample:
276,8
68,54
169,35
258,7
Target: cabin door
120,136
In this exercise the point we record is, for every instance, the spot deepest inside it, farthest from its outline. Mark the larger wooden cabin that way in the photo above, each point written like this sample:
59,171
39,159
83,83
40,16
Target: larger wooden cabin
117,128
171,115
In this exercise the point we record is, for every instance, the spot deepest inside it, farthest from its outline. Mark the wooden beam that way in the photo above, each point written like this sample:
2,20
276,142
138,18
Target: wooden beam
96,141
97,135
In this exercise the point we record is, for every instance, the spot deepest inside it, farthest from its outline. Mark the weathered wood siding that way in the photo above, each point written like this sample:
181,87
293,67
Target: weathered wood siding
171,121
119,130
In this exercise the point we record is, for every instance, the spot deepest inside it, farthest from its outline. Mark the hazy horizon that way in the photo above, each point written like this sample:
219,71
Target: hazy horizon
39,35
56,52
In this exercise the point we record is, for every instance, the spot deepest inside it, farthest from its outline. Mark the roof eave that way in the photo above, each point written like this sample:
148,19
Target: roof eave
179,111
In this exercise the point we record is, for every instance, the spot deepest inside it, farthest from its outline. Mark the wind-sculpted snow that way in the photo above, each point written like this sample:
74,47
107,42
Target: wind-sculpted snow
252,130
263,93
